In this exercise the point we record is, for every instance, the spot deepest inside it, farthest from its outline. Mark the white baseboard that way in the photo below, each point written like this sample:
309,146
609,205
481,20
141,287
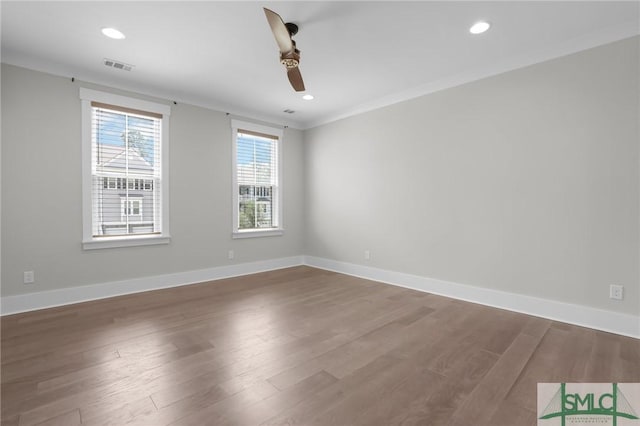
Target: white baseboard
66,296
599,319
613,322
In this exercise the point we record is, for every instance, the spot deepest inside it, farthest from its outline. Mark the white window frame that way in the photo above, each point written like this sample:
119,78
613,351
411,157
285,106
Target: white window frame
88,240
277,192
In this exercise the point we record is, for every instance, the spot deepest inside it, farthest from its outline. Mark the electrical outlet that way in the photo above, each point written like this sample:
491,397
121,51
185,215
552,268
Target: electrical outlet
230,255
367,255
616,292
29,277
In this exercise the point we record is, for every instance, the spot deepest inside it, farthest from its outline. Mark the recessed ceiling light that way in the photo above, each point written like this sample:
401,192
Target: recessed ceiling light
113,33
307,97
479,27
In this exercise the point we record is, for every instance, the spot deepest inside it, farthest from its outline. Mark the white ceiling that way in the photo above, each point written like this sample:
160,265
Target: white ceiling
355,55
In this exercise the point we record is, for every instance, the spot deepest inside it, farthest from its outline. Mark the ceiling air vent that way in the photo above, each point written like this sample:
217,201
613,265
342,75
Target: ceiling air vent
289,111
117,64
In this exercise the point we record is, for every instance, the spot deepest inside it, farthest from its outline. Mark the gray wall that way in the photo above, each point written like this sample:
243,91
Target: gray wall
41,193
526,182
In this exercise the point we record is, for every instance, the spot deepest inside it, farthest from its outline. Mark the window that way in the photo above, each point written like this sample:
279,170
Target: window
120,183
125,187
109,183
257,198
131,208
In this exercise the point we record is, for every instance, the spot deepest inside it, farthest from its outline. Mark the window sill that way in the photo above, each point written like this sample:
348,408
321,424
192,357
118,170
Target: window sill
253,233
125,241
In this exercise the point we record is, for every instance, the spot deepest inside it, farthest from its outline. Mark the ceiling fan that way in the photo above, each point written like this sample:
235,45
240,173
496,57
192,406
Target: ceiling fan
289,54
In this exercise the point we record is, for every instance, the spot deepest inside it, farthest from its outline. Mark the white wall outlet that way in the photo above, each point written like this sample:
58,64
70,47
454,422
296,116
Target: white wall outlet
231,255
29,277
367,255
616,292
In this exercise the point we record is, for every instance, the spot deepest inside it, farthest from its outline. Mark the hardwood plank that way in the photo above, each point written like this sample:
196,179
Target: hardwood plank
541,368
229,407
432,408
184,406
72,418
337,350
280,401
437,405
479,407
377,388
117,415
11,420
398,398
509,414
306,411
536,327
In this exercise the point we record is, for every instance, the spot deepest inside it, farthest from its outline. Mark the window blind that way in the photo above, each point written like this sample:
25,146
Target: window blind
126,171
257,180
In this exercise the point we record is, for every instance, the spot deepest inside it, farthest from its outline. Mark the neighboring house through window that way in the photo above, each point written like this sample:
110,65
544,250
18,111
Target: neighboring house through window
257,192
125,197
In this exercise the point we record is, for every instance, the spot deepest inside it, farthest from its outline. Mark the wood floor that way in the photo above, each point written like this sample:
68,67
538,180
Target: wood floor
294,346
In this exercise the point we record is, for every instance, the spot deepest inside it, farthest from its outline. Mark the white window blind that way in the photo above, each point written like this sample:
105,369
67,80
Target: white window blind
126,170
257,187
257,177
125,197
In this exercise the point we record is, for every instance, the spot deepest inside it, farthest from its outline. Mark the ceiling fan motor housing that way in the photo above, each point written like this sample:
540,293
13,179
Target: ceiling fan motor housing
292,28
290,59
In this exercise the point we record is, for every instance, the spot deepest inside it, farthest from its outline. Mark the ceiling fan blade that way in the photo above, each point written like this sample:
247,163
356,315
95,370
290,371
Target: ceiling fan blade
295,78
279,30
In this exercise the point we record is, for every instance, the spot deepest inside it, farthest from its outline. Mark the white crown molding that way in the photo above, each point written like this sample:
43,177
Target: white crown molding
584,316
66,296
587,41
18,59
598,38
